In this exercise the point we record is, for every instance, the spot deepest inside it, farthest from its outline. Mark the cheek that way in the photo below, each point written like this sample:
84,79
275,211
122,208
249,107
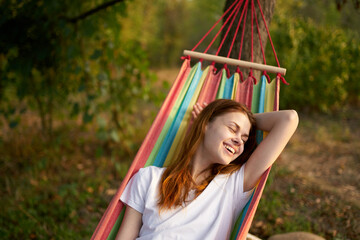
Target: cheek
241,149
217,136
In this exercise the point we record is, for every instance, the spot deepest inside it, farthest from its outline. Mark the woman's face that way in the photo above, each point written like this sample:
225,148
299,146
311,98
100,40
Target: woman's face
225,137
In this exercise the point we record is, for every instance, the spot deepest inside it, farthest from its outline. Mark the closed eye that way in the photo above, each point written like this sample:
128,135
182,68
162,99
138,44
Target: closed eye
232,130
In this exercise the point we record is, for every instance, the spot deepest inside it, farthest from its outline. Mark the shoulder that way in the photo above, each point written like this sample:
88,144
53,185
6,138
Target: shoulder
236,179
150,172
239,173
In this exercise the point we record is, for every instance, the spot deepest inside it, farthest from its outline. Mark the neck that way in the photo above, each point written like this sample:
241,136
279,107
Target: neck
198,164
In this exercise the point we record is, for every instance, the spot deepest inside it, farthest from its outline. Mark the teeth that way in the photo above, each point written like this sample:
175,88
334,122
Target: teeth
232,150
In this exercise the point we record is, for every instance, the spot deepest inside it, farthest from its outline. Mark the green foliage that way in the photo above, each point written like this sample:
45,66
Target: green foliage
320,63
69,73
165,28
317,44
51,64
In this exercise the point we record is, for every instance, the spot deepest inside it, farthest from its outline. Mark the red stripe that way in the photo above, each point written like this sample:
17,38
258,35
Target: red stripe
110,216
244,92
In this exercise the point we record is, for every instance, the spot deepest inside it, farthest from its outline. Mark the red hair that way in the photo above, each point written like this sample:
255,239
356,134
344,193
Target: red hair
177,181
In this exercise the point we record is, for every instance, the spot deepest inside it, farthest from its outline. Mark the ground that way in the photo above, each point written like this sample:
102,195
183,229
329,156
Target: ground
316,183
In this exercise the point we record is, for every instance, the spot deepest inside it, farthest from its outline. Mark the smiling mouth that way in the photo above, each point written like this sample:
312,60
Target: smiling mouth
229,148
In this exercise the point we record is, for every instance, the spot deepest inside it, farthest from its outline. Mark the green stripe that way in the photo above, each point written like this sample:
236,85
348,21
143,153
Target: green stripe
171,117
220,92
116,226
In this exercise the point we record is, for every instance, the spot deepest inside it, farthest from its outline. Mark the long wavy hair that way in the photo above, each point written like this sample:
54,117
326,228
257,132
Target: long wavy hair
176,181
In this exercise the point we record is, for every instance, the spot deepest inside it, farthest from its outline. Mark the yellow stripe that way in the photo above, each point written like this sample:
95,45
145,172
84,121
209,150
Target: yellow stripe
180,135
235,86
270,96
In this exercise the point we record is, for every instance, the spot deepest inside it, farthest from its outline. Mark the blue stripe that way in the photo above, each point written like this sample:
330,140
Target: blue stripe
259,134
244,211
170,136
228,88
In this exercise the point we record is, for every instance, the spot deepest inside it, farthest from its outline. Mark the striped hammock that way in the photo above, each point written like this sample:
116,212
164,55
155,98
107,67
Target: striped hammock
193,85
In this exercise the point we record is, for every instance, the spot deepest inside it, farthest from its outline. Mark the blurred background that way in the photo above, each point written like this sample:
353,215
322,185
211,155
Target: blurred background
82,81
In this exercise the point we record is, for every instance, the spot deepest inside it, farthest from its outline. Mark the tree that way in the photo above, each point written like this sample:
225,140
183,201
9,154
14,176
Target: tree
268,10
340,4
50,52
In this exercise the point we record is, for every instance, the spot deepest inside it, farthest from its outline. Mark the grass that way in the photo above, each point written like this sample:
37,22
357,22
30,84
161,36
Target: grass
57,187
60,188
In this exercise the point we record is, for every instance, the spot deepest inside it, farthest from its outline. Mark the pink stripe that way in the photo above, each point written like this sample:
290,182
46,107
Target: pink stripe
244,92
209,89
277,94
211,85
111,214
252,208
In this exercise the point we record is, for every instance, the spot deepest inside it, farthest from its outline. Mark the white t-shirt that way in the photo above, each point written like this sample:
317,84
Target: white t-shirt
210,216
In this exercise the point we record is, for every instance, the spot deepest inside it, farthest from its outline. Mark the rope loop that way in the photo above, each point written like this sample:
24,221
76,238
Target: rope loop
214,68
240,73
267,76
282,79
227,70
185,57
251,76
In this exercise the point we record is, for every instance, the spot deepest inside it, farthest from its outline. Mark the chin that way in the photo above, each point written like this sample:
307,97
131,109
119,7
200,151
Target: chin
226,162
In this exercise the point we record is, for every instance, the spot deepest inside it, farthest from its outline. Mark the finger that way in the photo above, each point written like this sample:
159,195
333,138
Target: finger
193,114
197,108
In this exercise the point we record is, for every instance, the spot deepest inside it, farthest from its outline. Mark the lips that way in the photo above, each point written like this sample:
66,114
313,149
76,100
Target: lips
229,148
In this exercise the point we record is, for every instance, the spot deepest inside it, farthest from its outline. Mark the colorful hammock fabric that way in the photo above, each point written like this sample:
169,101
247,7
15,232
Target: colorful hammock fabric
193,85
198,85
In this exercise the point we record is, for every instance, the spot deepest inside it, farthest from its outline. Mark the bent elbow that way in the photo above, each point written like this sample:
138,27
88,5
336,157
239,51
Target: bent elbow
293,118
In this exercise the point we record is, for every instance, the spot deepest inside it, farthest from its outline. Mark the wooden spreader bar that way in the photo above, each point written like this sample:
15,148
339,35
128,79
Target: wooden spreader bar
235,62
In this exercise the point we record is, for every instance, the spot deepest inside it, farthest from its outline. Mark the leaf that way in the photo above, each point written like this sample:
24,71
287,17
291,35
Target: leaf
87,117
14,123
114,136
102,135
99,152
96,54
23,110
75,110
101,122
102,76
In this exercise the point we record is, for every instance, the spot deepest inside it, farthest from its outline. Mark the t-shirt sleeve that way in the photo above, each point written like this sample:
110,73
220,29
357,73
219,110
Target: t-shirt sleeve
135,191
239,185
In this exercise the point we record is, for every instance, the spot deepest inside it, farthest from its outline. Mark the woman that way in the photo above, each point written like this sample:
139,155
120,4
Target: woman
202,192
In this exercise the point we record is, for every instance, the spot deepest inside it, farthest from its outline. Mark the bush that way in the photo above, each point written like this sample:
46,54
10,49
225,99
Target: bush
321,64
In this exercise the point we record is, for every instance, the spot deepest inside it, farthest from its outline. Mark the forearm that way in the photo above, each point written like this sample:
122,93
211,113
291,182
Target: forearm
280,126
269,120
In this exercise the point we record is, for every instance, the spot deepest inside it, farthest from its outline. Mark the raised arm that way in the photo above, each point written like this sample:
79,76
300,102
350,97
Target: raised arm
280,126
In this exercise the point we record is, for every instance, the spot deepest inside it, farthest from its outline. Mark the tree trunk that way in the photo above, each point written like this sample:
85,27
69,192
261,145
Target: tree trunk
267,7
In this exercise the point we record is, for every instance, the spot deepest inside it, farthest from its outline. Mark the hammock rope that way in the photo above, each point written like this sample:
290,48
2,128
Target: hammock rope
229,27
243,30
195,85
236,32
212,28
222,27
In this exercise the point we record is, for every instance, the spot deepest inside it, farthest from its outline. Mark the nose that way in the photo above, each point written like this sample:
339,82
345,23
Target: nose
237,141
